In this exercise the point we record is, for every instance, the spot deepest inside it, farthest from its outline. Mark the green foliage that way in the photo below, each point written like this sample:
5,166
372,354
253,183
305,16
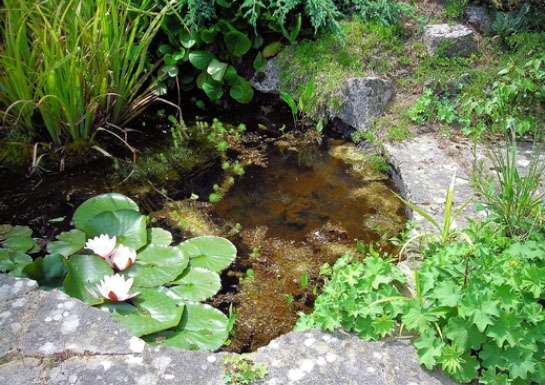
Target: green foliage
70,67
16,243
511,197
455,8
240,370
477,310
387,12
170,280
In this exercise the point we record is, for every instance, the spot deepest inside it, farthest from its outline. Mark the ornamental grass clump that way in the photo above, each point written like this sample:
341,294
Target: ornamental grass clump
69,67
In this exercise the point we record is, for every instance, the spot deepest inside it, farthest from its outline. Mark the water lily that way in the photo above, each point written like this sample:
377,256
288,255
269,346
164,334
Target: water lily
123,257
103,245
116,288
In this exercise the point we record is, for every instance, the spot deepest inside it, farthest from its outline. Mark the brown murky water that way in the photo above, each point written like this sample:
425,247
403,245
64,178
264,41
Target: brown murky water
305,209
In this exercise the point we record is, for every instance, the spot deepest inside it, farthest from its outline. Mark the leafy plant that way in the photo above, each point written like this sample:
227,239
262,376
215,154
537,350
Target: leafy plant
111,259
477,311
240,370
512,198
70,68
16,243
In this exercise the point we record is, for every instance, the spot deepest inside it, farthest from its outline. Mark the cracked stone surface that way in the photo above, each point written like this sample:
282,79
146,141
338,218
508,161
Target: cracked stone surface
425,166
48,338
454,40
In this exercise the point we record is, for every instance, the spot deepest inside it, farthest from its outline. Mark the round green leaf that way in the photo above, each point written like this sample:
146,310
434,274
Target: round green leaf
12,259
202,328
237,43
99,204
216,69
22,244
231,75
213,253
155,312
160,237
208,35
242,91
212,89
48,271
259,62
67,243
197,284
200,59
128,226
187,39
84,273
158,265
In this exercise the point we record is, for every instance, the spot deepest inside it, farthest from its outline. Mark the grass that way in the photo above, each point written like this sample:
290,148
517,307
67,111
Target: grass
72,66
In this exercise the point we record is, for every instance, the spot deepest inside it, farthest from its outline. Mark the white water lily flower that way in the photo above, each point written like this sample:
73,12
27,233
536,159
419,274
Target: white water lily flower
116,288
103,245
123,257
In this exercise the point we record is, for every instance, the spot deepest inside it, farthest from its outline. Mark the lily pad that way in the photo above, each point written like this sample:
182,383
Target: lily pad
48,271
155,312
202,328
160,237
128,226
99,204
197,284
84,273
158,265
13,259
67,243
213,253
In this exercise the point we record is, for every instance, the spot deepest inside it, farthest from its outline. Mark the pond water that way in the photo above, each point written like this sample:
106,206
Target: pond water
305,209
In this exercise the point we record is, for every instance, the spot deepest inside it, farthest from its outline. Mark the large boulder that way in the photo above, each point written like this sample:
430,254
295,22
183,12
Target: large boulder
362,100
479,18
450,40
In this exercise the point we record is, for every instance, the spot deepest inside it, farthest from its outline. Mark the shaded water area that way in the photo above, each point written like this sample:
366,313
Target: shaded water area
307,208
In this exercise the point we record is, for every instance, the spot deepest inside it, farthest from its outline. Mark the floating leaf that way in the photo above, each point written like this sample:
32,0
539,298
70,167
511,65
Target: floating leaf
160,237
157,265
84,273
128,226
197,284
155,312
100,204
67,243
13,259
202,328
48,271
214,253
237,43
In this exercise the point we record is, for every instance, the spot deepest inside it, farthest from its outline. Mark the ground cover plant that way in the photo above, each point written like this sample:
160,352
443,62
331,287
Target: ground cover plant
112,260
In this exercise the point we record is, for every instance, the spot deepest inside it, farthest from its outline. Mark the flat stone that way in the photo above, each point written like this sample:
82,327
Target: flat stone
313,357
64,324
455,40
268,79
23,371
11,287
362,100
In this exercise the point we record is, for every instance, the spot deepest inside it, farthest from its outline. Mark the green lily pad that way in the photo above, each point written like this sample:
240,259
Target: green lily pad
155,312
197,284
202,328
67,243
158,265
84,273
128,226
13,259
159,237
213,253
99,204
47,271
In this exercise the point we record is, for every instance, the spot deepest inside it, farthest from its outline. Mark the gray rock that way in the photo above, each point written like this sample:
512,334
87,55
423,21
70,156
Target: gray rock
362,100
313,358
456,40
23,371
268,79
479,18
11,287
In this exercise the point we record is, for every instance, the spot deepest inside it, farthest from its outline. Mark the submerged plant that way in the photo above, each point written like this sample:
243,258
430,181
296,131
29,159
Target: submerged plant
71,67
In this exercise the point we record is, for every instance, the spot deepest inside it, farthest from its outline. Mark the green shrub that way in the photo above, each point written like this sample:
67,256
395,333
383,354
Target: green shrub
69,67
477,311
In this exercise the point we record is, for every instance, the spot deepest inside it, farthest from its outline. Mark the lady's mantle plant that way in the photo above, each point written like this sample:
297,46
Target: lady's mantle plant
477,311
114,261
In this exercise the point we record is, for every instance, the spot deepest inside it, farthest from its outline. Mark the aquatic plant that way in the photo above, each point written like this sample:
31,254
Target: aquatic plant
72,68
114,261
16,243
